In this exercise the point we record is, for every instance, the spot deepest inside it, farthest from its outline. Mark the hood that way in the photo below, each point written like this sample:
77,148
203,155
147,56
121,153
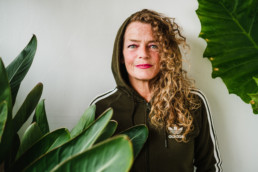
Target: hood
120,74
119,71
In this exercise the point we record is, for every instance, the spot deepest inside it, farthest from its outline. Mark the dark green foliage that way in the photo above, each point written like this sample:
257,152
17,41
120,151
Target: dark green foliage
88,147
10,80
40,117
19,67
113,155
230,30
138,135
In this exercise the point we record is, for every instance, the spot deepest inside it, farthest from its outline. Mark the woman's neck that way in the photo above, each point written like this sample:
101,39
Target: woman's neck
142,87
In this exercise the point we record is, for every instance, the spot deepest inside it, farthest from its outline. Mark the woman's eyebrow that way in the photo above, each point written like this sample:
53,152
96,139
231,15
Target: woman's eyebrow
135,40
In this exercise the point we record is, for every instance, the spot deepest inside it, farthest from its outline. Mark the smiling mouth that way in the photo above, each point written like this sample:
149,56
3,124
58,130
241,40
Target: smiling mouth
144,66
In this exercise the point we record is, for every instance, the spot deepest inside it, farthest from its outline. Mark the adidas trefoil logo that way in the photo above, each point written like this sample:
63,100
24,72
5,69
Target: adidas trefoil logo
175,132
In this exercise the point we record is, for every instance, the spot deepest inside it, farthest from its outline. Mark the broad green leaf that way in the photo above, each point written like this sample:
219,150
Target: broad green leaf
30,136
7,141
5,90
5,95
27,107
19,67
63,138
138,136
3,118
230,30
40,117
113,155
86,119
108,131
43,145
254,102
254,97
15,144
76,145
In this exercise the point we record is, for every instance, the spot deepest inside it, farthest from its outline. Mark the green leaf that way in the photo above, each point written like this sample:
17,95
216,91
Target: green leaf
76,145
40,117
15,144
254,102
27,107
19,67
86,119
113,155
8,92
138,135
3,118
63,138
7,141
108,131
230,30
254,98
30,136
5,90
5,96
43,145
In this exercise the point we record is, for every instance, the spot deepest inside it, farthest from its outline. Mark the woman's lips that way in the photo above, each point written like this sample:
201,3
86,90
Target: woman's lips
144,66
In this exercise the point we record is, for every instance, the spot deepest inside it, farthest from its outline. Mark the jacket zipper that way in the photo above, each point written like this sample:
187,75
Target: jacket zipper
148,108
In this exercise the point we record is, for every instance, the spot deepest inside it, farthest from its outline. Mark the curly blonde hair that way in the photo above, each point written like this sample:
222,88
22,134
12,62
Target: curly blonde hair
171,101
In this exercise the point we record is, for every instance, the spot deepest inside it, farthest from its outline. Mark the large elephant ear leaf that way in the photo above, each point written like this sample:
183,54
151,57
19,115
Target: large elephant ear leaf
19,67
254,97
230,30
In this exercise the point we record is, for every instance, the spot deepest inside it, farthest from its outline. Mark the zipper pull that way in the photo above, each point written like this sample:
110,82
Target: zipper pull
148,107
166,137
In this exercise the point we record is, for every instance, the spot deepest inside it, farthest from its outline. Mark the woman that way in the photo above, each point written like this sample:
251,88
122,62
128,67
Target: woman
152,89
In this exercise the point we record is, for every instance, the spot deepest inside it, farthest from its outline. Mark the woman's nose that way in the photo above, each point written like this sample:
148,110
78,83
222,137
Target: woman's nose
143,52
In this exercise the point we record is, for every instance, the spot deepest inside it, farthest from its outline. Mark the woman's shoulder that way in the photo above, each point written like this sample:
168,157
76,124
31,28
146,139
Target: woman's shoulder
203,115
107,96
104,101
201,99
202,112
199,95
115,99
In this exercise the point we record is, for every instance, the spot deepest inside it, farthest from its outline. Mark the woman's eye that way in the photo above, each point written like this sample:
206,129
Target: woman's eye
154,46
132,46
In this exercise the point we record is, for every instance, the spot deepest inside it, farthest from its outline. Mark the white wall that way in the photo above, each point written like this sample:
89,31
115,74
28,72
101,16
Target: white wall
75,40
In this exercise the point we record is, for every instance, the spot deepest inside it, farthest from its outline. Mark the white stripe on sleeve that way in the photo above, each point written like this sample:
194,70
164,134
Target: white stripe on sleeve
212,131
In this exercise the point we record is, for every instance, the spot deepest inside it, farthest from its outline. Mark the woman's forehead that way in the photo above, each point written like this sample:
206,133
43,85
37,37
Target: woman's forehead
137,30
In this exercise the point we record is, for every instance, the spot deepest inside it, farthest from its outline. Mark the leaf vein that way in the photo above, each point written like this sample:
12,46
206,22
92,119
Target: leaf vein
240,26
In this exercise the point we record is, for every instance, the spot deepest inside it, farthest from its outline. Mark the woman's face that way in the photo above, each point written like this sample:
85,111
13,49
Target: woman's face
141,52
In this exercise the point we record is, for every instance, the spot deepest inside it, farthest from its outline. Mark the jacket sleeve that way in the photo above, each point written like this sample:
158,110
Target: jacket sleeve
207,158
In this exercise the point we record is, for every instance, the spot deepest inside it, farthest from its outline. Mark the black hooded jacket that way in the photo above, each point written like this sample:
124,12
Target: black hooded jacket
162,152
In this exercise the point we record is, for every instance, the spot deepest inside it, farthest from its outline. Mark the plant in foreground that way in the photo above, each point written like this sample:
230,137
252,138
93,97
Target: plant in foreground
87,147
